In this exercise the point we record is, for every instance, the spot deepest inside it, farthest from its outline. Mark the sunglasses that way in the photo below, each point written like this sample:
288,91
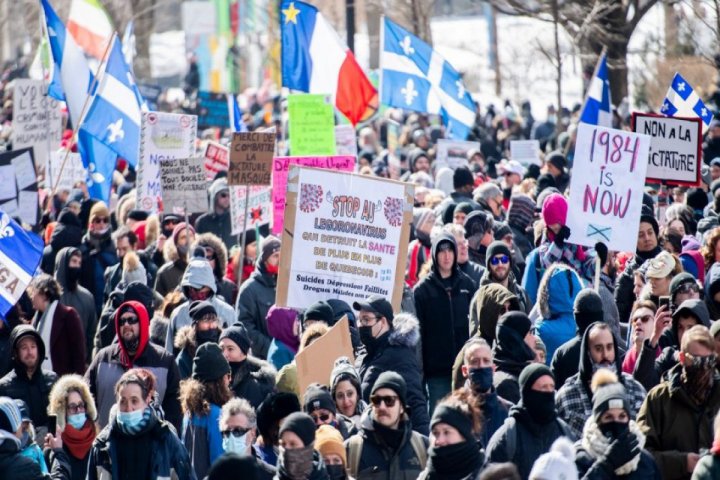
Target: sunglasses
688,288
223,194
643,319
322,418
235,432
499,259
388,400
101,220
128,320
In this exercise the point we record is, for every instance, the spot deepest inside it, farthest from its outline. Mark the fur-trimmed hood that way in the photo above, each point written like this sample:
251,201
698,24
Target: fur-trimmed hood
405,331
58,394
170,253
184,338
213,241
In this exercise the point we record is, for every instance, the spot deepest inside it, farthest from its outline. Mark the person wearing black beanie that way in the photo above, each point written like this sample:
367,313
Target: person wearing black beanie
513,350
533,424
500,268
298,460
231,466
270,415
319,311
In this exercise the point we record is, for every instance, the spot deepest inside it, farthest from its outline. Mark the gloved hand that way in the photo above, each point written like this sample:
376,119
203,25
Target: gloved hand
562,235
621,451
602,252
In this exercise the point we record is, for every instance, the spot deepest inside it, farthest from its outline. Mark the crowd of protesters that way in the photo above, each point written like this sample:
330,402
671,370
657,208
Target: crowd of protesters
149,346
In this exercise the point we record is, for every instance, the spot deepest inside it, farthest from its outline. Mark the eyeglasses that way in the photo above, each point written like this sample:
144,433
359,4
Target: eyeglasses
504,259
76,407
132,320
321,418
388,400
208,318
101,220
235,432
365,320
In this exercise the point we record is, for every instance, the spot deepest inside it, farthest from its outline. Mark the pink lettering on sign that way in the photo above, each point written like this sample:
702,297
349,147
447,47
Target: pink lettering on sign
281,167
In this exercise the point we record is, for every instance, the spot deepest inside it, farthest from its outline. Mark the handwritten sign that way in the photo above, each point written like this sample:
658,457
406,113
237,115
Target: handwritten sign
346,237
18,185
212,110
163,136
606,189
675,147
251,155
259,208
37,120
217,159
184,185
281,166
74,170
453,153
527,152
312,125
345,140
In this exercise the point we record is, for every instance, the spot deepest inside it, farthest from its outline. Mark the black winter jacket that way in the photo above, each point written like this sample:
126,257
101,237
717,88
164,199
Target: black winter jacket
253,380
256,296
15,466
590,469
624,296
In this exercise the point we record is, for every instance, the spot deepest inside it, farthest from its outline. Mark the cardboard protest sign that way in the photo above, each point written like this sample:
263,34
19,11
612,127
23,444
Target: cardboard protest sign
259,208
59,178
184,185
281,166
217,159
345,236
312,125
18,185
345,140
606,189
37,121
251,156
163,136
453,153
316,361
527,152
212,110
675,147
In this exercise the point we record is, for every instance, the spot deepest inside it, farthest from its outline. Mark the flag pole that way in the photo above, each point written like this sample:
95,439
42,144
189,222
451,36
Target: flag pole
84,110
566,150
46,88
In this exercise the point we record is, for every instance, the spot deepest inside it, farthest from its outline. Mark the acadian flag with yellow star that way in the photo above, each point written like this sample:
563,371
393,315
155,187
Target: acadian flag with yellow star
316,60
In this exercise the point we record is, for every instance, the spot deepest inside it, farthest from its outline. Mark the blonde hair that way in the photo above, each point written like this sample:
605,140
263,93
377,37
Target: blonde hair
698,334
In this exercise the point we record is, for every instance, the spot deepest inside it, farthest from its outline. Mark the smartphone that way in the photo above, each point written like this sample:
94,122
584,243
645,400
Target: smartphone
52,424
664,300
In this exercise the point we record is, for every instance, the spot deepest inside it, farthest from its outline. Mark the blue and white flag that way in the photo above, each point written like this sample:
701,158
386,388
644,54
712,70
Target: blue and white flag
235,115
415,77
114,115
128,45
597,109
682,101
20,255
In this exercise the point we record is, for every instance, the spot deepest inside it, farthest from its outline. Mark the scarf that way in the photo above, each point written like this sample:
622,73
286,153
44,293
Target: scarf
698,383
454,462
570,254
78,442
391,437
141,427
597,444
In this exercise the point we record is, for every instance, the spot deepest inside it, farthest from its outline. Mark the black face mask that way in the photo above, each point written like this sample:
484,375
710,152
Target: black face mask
613,430
167,232
481,379
540,406
207,336
454,460
73,275
336,472
366,335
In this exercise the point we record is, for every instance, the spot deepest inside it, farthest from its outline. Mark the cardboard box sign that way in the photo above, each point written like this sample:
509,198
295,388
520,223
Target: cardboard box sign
315,363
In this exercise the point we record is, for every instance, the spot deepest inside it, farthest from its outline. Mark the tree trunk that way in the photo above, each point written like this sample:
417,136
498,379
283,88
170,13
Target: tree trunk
618,71
143,15
373,12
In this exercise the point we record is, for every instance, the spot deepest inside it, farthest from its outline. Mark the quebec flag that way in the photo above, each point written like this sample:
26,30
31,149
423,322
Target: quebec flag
114,115
597,109
682,101
20,255
415,77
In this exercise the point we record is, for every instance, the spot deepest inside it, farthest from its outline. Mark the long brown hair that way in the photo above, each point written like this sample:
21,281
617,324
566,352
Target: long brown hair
708,250
196,396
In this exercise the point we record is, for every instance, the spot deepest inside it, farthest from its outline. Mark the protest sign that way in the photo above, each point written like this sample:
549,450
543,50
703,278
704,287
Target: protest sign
312,125
37,121
675,147
345,236
259,208
527,152
163,136
251,158
212,110
59,178
453,153
18,185
315,362
281,166
217,159
606,189
184,185
345,140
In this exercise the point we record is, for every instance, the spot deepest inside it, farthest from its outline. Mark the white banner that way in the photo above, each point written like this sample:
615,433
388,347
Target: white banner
453,153
184,185
260,207
37,120
73,171
527,152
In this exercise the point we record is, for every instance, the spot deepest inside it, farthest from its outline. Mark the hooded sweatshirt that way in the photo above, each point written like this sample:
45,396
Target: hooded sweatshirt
285,343
67,233
76,296
511,355
443,306
556,302
486,307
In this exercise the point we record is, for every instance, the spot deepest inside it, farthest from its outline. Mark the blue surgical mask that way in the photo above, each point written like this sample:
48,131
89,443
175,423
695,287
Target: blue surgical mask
130,419
234,444
77,421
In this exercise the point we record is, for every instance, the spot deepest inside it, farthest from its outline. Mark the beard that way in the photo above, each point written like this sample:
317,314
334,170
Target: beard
500,276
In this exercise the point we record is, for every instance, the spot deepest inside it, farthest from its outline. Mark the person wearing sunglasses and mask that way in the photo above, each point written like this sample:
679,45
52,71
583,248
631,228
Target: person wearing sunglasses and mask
611,444
298,459
217,221
499,269
386,446
677,415
238,427
319,404
98,253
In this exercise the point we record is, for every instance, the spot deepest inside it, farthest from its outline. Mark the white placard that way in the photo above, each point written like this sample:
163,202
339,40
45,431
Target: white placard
453,153
74,170
37,119
527,152
184,185
260,207
606,189
345,140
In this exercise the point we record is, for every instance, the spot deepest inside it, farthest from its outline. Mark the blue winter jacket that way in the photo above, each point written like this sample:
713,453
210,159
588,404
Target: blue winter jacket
279,354
556,305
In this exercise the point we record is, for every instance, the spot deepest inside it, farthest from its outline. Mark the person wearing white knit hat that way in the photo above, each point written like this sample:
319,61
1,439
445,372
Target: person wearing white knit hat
557,464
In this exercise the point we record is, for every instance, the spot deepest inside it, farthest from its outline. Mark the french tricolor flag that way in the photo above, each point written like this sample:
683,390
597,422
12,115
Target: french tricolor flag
316,60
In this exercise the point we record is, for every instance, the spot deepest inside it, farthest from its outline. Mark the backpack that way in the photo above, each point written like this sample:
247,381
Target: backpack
355,446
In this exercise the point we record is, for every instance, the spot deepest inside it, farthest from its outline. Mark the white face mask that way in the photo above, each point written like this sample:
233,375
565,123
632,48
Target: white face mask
235,444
